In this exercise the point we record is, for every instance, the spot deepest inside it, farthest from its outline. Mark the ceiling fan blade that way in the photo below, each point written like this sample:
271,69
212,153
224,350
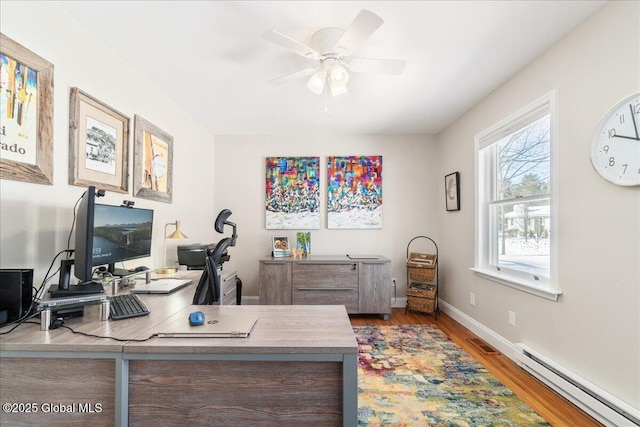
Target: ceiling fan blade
293,76
392,67
290,44
358,31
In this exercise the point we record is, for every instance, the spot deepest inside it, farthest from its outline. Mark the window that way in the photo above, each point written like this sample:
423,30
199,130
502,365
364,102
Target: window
515,222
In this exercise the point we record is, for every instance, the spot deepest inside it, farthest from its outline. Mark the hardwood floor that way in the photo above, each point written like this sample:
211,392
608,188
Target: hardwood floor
554,408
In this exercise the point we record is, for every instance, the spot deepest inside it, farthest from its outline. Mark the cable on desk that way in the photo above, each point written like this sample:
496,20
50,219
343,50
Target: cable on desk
110,338
20,323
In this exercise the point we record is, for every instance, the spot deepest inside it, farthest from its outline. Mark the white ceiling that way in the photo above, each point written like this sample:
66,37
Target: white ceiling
209,58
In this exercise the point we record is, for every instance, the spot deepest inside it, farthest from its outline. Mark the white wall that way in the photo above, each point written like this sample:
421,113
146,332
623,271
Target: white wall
36,219
594,329
409,187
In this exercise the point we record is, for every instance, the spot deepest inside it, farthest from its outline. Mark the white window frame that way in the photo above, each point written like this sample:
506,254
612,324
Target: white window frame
542,287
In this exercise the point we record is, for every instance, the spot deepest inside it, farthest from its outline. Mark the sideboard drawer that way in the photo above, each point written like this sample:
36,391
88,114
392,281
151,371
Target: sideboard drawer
326,284
344,275
335,295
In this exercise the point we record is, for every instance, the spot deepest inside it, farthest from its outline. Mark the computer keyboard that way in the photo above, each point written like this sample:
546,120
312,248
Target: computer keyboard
126,306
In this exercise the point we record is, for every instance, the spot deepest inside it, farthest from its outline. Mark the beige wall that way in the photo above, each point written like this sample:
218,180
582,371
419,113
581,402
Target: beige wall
36,219
594,329
409,192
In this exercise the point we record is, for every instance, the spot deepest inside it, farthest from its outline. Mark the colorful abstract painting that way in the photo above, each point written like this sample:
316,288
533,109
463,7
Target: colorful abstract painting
354,192
292,193
19,111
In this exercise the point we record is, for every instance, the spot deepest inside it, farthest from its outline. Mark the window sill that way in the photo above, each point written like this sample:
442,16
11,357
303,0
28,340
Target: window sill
521,285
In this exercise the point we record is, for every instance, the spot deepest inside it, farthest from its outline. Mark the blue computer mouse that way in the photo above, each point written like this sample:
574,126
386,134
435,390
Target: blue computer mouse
196,318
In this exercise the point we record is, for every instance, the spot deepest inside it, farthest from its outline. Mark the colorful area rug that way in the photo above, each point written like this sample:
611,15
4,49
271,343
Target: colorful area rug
414,375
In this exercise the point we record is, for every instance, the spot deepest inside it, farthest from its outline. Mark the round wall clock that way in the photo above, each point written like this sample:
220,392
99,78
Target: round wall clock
615,150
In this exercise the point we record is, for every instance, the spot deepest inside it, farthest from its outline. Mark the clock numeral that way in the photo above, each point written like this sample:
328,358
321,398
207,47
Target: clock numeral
612,161
605,148
622,118
612,133
637,108
624,168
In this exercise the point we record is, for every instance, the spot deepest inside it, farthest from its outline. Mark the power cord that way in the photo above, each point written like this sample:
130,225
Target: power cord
61,325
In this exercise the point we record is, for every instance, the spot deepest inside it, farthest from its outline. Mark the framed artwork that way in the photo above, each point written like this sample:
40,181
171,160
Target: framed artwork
281,247
354,192
153,162
26,108
303,243
452,191
292,193
98,143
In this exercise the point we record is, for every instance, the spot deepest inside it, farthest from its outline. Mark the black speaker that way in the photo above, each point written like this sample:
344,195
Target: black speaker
15,293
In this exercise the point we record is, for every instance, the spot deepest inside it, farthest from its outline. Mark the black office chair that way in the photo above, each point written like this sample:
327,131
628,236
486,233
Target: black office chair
208,289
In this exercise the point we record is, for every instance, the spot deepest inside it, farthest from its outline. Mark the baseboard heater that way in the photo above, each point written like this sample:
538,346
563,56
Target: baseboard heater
596,402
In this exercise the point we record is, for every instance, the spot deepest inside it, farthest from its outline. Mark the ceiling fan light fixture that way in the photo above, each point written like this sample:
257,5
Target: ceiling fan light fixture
317,81
337,90
339,75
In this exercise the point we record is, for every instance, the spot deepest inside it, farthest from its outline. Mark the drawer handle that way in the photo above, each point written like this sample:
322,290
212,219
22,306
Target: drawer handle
324,289
323,263
229,292
274,262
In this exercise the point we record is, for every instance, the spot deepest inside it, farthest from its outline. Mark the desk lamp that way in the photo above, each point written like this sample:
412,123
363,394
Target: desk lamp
175,235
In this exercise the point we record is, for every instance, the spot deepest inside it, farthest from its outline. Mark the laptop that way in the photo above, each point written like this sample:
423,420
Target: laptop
214,326
160,286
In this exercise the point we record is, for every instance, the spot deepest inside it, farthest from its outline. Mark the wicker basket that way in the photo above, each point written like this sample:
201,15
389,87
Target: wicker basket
422,267
422,299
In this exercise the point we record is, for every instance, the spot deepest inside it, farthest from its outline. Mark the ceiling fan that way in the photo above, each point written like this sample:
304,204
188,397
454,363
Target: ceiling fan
331,47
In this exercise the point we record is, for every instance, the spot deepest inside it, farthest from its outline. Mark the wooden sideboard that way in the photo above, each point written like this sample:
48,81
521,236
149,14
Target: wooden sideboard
362,285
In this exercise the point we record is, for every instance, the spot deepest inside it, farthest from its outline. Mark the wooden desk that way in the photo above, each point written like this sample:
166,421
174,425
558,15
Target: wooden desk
298,367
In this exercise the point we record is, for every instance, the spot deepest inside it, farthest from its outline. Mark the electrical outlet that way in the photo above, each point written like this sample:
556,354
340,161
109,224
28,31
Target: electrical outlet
512,318
472,298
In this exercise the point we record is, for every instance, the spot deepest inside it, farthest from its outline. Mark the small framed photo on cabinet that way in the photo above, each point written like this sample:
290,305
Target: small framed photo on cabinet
281,247
452,191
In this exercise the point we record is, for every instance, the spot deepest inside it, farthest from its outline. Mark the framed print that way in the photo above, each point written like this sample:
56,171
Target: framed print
292,193
452,191
281,247
98,144
26,108
153,162
354,192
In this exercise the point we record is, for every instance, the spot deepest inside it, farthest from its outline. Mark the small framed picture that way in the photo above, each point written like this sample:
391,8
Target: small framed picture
452,191
98,141
281,247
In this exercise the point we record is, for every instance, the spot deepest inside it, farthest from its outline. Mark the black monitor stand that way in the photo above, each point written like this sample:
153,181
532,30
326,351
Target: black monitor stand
64,289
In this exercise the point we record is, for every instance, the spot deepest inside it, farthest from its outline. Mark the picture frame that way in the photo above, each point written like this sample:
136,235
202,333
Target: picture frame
27,125
98,144
153,162
281,247
452,191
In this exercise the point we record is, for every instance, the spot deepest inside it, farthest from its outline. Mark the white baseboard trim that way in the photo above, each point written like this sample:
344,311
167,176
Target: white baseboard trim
250,300
399,302
500,343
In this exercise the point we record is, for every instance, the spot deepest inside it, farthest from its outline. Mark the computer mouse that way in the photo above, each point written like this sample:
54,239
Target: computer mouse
141,268
196,318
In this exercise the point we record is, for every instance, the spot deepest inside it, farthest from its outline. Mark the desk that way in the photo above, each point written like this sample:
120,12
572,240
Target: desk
298,367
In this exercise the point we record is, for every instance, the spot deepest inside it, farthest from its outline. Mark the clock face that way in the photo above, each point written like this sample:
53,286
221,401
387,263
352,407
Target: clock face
615,151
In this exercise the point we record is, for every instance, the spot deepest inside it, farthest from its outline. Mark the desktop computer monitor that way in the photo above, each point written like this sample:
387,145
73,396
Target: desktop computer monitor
120,234
105,234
